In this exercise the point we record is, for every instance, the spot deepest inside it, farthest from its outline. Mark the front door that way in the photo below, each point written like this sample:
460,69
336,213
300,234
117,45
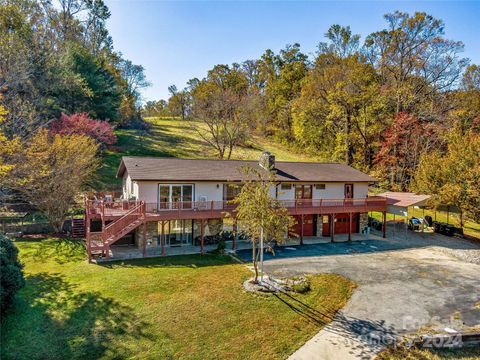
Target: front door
303,192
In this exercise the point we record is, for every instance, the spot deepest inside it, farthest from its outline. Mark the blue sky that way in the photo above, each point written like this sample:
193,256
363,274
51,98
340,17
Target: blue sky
178,40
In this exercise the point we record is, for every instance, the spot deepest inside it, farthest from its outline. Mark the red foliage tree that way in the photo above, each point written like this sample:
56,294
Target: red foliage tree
404,141
82,124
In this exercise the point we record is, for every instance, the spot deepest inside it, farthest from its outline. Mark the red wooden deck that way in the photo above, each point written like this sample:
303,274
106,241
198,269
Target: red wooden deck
125,216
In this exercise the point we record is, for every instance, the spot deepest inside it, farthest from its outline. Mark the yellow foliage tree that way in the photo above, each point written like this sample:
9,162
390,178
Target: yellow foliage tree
49,171
453,178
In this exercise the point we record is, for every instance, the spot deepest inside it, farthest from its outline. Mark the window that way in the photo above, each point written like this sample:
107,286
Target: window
230,191
320,186
173,196
286,186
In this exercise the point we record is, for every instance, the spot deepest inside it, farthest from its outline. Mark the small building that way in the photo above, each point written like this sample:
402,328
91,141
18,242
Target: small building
170,202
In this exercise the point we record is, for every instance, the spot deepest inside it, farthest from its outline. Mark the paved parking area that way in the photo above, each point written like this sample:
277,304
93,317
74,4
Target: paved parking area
404,284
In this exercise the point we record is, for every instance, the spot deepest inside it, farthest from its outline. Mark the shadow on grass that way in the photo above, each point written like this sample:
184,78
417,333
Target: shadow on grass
53,319
61,250
178,261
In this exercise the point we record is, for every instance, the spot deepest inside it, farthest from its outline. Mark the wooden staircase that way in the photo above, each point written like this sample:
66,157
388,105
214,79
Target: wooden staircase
114,231
78,228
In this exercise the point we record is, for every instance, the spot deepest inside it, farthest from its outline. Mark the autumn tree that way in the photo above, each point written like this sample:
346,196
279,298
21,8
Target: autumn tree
404,143
50,170
453,177
82,124
260,215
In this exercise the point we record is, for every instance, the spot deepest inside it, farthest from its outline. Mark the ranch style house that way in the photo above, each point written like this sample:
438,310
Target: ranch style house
170,206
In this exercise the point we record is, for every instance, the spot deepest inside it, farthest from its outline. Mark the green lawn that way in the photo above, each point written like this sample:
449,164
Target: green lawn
174,137
184,307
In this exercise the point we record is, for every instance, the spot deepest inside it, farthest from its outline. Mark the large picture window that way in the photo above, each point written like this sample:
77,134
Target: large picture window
175,196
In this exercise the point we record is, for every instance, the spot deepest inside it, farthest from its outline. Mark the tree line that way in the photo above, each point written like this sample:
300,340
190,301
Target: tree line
63,89
385,105
57,56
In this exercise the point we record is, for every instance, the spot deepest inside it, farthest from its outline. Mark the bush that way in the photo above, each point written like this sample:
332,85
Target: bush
301,286
11,275
82,124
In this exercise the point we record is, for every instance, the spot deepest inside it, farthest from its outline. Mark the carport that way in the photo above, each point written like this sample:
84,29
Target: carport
398,203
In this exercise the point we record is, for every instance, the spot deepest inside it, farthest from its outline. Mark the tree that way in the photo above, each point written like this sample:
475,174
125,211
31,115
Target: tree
134,76
414,59
179,102
219,106
453,177
260,215
11,274
342,42
404,143
282,75
471,78
50,170
82,124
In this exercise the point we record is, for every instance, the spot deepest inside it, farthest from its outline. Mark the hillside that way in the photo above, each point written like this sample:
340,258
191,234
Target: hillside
174,137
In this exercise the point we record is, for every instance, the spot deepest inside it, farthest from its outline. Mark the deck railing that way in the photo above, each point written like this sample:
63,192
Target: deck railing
213,208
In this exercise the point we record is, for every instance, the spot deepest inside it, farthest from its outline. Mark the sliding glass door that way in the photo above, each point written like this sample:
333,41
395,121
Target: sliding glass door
175,196
177,232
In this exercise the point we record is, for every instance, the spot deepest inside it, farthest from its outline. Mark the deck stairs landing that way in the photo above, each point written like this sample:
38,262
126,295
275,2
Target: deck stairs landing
114,231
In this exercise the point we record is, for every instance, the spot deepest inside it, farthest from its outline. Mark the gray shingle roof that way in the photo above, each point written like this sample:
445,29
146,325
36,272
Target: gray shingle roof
174,169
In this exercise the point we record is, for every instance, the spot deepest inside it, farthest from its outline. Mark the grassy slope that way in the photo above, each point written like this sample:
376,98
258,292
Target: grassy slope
175,138
184,307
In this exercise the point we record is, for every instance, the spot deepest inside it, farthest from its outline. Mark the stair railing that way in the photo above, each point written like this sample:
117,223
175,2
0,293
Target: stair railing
117,226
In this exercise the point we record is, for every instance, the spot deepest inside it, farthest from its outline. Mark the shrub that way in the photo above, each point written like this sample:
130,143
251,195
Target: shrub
301,287
82,124
11,275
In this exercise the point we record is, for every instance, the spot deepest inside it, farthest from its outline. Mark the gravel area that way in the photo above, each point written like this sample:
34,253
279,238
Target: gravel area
467,255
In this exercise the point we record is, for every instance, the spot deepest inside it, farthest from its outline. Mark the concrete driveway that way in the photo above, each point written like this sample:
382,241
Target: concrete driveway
404,284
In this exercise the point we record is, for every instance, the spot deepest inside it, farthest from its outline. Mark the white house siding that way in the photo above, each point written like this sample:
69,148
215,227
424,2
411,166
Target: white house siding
213,191
130,188
209,190
148,191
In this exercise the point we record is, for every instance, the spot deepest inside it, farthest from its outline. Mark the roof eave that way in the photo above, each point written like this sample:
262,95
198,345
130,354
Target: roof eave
121,169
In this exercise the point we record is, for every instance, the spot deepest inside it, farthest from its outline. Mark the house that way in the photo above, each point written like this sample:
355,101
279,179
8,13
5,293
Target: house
168,202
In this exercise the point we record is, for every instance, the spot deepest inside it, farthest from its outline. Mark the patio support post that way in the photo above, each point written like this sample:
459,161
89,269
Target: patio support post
301,230
144,238
332,224
234,241
350,228
103,215
384,227
201,235
162,237
87,233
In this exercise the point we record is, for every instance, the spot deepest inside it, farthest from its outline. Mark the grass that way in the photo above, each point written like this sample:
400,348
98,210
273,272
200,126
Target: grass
470,228
402,353
183,307
173,137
